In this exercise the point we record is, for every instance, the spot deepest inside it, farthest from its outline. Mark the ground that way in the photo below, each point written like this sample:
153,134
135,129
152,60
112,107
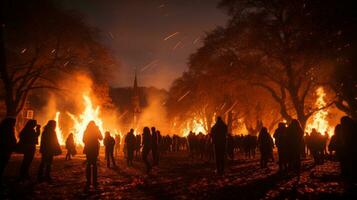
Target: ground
177,177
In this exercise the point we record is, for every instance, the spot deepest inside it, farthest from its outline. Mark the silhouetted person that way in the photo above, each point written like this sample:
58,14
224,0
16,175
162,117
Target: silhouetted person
159,145
154,146
130,143
7,142
316,146
137,145
219,134
280,142
191,138
147,138
70,146
335,144
49,147
266,145
230,146
117,145
347,146
91,138
109,143
27,145
294,141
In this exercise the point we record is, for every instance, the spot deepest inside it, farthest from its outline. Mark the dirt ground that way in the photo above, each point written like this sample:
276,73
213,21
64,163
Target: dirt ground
178,177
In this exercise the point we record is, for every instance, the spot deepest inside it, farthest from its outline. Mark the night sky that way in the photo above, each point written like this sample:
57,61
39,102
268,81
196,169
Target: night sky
135,30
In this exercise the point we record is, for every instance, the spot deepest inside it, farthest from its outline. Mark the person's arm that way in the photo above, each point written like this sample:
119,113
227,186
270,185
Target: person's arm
38,130
100,136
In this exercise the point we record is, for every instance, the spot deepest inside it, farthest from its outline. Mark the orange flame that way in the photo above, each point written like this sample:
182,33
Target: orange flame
196,126
59,130
90,113
319,119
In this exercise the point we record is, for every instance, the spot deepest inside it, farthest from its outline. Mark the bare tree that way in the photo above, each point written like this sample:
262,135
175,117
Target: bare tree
40,42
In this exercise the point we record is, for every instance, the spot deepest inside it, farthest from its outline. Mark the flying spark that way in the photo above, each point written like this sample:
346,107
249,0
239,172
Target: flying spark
111,35
23,50
183,96
177,45
196,40
151,64
170,36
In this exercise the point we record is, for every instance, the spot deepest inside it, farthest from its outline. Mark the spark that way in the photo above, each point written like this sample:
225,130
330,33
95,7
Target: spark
177,45
122,115
53,51
66,63
170,36
183,96
153,63
23,50
196,40
111,35
234,104
224,104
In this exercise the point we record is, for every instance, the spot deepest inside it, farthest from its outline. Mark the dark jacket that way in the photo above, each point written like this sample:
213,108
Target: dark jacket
49,143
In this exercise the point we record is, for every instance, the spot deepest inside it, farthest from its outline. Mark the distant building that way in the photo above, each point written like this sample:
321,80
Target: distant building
135,100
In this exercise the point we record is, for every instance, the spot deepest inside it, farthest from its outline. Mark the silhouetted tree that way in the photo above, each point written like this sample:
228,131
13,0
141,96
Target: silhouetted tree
39,41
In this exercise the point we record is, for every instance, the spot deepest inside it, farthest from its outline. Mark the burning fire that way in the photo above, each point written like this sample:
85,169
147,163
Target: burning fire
59,130
319,119
196,126
90,113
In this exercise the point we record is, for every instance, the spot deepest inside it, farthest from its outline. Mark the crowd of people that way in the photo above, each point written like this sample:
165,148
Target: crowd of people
290,140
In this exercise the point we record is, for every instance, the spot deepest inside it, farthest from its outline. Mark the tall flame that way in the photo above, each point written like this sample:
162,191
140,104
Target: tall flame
90,113
59,130
196,126
319,119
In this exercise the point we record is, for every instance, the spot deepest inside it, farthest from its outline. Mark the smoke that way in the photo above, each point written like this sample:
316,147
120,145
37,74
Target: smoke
155,113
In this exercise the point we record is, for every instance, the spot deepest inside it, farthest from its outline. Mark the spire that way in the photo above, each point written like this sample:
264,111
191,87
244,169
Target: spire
136,96
135,87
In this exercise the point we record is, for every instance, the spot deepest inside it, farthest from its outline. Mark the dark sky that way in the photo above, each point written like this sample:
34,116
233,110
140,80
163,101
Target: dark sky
135,30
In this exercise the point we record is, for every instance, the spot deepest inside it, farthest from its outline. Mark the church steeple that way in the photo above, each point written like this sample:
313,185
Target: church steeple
135,87
135,101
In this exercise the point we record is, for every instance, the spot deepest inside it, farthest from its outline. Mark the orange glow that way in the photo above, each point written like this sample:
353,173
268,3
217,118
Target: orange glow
90,113
319,119
59,130
196,126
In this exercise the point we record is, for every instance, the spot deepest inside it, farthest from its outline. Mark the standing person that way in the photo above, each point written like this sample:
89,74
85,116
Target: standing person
315,146
27,145
347,144
117,145
159,145
109,143
154,146
130,145
137,145
49,147
146,148
280,143
91,138
70,146
266,145
294,141
230,146
7,142
219,135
